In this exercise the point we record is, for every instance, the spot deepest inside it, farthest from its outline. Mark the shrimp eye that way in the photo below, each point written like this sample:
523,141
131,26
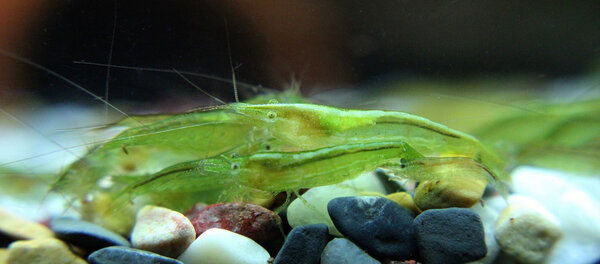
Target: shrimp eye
268,147
271,115
402,163
235,166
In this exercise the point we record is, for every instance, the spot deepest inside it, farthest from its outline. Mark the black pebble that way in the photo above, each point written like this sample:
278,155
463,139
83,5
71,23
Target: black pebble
453,235
376,224
303,245
116,255
85,234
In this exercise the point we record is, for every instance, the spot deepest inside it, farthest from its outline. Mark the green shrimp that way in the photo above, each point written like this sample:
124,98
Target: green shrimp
244,133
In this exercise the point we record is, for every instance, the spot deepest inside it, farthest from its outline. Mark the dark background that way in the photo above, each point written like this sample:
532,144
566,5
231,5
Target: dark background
324,44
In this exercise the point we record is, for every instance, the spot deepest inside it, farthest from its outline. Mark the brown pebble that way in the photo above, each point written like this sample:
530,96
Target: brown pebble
446,193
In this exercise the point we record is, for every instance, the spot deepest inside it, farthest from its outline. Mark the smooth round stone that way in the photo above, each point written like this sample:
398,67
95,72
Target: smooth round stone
453,235
405,200
217,245
14,227
118,255
85,234
163,231
312,208
249,220
446,193
526,231
343,251
376,224
303,245
41,251
574,200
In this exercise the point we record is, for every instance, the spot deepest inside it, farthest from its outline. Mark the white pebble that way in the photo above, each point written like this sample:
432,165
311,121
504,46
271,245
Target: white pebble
217,245
162,231
574,200
526,231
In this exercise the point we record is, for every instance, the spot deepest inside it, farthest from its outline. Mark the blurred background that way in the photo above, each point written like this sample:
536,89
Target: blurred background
324,45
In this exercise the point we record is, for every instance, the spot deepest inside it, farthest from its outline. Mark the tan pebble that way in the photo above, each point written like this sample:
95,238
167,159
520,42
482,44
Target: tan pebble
41,251
404,199
446,193
21,228
526,231
163,231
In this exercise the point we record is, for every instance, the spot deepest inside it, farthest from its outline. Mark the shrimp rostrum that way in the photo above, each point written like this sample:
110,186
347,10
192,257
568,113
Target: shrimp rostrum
254,151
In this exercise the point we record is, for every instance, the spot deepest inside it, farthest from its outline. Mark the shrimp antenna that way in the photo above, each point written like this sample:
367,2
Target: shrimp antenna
188,73
38,132
235,91
198,88
65,79
110,54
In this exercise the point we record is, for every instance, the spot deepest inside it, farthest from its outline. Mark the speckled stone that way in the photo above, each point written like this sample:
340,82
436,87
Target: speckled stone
304,245
85,234
376,224
343,251
446,193
526,231
41,251
118,255
250,220
14,227
447,236
162,231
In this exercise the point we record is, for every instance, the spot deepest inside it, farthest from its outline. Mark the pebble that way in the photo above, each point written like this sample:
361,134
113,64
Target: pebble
376,224
117,255
526,231
217,245
453,235
312,208
303,245
163,231
574,200
446,193
14,227
249,220
343,251
41,251
85,234
405,200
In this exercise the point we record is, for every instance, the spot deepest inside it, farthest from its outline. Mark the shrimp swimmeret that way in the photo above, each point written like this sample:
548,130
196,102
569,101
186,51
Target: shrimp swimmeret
239,150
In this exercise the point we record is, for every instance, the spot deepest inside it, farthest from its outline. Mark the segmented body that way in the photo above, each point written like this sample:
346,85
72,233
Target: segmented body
265,148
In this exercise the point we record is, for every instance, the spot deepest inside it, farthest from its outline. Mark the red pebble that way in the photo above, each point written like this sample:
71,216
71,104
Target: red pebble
250,220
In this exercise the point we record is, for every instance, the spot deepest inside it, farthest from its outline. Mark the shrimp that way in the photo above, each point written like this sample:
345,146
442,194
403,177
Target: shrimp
267,148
